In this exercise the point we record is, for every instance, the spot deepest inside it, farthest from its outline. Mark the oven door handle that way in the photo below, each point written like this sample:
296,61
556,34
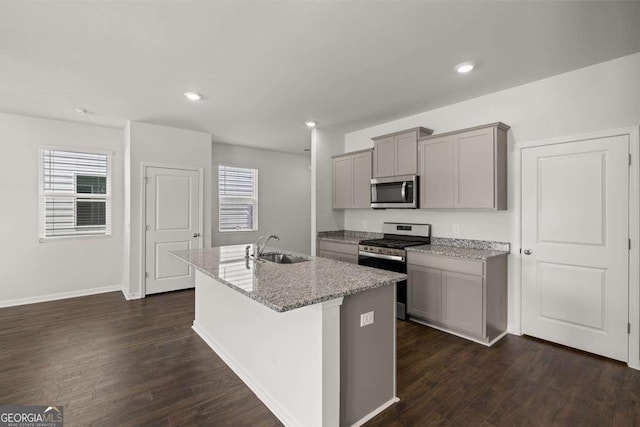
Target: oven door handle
382,256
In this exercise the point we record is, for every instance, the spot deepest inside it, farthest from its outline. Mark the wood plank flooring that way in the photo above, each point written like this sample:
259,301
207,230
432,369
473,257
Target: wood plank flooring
116,363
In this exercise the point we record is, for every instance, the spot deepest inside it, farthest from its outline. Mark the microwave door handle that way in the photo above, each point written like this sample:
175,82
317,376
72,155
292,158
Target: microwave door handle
404,191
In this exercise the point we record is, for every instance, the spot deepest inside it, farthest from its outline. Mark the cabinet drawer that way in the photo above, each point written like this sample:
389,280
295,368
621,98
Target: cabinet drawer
345,248
446,263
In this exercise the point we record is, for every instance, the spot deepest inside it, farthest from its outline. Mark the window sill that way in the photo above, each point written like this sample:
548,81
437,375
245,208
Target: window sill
65,238
237,231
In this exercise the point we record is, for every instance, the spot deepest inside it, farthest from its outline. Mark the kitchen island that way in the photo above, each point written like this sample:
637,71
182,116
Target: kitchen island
294,333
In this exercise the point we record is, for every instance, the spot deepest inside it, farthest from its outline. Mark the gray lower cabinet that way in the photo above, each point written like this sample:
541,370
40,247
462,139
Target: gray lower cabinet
465,169
351,180
425,296
462,302
345,252
467,297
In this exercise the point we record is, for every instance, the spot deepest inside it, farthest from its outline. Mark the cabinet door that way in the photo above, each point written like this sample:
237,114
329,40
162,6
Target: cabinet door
462,302
351,259
384,157
424,292
328,254
361,180
342,183
406,154
474,170
436,173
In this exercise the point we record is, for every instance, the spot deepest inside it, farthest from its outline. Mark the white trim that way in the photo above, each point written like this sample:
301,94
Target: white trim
314,190
270,402
634,229
255,200
143,217
78,237
129,296
76,149
375,412
42,193
59,296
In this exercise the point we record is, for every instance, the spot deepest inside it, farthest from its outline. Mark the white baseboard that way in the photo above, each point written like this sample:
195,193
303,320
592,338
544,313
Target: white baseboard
375,412
59,296
283,415
129,296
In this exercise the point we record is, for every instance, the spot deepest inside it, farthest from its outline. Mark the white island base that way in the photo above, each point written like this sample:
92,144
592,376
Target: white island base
292,360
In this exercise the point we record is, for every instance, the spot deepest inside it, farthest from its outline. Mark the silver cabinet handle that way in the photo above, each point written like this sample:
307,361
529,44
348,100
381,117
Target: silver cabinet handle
196,234
527,251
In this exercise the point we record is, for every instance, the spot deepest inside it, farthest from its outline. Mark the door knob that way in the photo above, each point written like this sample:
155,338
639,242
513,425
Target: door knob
196,234
527,251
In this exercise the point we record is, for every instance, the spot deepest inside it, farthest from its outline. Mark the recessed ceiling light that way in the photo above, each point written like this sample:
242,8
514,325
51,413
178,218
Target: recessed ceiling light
464,68
310,124
193,96
81,111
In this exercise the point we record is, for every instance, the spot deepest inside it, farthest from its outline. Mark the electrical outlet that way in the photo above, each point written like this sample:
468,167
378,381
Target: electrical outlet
365,224
456,229
366,319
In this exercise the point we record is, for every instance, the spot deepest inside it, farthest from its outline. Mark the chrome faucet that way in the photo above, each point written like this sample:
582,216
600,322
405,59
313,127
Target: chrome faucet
259,249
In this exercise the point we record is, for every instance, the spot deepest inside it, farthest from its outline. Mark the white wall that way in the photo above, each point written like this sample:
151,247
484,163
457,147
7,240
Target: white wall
324,145
284,196
603,96
30,270
158,145
600,97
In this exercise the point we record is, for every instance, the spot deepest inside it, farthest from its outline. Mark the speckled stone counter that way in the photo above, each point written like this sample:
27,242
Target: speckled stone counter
284,287
457,252
463,248
347,236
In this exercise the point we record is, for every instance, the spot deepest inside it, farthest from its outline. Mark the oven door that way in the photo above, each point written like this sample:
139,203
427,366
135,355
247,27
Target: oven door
401,287
394,192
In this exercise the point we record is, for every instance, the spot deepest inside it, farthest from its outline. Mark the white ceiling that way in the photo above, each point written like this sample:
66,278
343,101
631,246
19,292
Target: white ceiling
266,67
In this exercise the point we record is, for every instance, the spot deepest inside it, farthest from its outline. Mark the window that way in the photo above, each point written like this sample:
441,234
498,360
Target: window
237,199
75,194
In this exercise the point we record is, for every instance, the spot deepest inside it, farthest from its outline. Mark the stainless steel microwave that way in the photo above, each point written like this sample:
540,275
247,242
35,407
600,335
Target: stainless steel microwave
395,192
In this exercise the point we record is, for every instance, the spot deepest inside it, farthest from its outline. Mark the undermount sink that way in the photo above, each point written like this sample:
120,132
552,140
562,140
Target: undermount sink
282,258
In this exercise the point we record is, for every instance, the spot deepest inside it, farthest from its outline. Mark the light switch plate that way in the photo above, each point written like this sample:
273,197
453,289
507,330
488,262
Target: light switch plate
456,229
366,319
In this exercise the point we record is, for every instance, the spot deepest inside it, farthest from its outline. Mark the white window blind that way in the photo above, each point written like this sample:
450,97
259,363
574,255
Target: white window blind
238,198
75,193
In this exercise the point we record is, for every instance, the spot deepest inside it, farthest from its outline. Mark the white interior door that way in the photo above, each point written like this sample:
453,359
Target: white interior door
575,231
172,223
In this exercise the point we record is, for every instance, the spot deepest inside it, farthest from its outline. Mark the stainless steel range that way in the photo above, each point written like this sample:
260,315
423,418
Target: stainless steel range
389,253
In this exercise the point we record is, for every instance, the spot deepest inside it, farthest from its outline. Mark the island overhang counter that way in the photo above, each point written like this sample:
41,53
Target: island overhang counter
293,334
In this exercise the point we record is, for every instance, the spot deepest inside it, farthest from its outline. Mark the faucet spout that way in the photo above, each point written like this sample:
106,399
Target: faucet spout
264,245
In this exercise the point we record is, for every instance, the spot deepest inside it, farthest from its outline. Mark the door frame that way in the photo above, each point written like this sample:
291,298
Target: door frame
634,229
143,214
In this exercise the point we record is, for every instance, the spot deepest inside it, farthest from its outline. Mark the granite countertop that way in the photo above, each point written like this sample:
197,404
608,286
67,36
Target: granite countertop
457,252
347,236
284,287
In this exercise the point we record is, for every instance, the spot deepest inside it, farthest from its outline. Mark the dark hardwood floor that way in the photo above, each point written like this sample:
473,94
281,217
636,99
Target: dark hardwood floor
112,362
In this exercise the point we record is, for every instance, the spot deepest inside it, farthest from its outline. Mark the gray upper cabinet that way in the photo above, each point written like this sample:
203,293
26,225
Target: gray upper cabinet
397,153
351,180
342,179
436,173
464,169
361,179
